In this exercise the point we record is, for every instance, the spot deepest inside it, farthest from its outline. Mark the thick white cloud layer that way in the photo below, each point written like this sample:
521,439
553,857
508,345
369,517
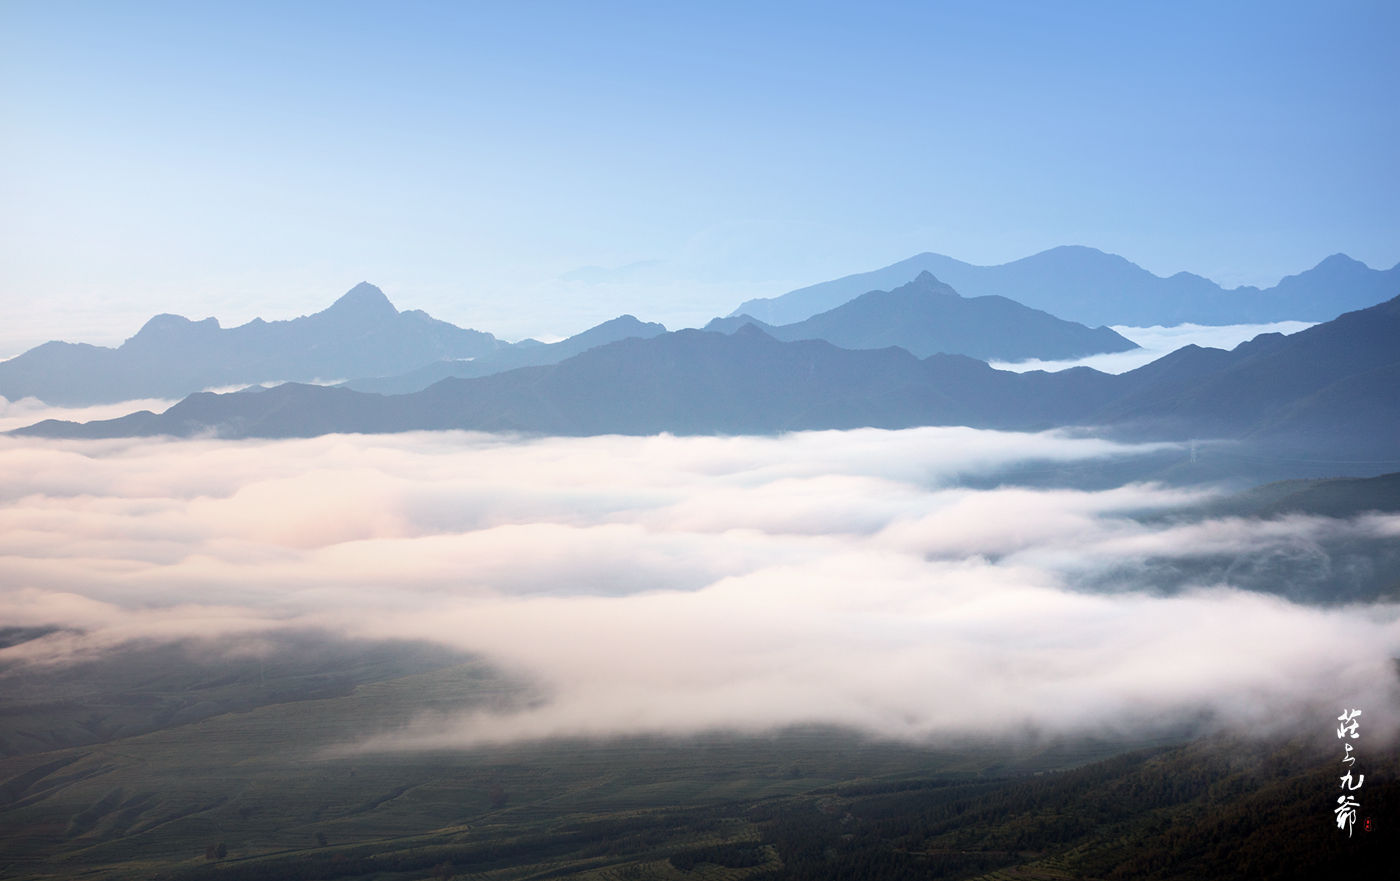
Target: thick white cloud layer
27,411
1156,341
664,584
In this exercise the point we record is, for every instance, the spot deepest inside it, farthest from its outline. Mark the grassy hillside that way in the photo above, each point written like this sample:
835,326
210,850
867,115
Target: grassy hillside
259,792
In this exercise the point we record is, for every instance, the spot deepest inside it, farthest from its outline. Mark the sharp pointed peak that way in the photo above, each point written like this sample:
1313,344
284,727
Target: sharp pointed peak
749,330
927,281
364,299
625,320
1339,259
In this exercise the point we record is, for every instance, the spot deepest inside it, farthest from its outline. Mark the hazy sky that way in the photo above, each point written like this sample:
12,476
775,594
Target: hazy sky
241,159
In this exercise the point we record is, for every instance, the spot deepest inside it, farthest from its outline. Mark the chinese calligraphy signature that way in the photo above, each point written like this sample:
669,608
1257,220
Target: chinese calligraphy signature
1347,804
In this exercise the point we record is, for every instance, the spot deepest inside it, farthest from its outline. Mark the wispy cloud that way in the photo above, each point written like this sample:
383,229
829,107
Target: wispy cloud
27,411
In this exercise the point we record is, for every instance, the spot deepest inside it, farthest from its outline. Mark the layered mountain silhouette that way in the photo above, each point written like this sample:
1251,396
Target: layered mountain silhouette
392,352
518,355
1089,286
360,334
927,316
1330,391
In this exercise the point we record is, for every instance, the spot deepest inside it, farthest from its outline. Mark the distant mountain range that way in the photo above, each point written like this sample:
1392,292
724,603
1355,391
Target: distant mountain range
518,355
1331,391
366,344
926,317
170,357
1094,288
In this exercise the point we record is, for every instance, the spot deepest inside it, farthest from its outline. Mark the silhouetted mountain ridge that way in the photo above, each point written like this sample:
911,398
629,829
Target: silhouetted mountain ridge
1329,393
364,302
361,333
1092,287
537,353
926,316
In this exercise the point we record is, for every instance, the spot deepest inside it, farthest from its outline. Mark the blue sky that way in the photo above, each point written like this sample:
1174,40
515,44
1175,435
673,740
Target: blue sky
243,159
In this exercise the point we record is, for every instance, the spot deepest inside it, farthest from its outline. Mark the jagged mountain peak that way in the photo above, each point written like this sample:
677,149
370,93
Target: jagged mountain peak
626,320
362,333
1340,259
750,330
926,281
364,299
166,325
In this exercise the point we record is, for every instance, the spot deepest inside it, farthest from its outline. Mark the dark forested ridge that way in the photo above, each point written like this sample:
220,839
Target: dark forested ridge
1213,809
171,763
814,806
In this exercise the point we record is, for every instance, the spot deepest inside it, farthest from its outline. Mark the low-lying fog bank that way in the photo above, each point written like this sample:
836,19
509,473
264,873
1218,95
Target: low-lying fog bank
672,585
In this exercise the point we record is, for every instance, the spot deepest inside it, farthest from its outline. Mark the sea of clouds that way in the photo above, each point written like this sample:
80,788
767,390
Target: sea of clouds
670,585
1157,341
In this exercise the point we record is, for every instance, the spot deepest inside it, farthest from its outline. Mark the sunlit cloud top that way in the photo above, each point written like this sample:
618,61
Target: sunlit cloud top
668,584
